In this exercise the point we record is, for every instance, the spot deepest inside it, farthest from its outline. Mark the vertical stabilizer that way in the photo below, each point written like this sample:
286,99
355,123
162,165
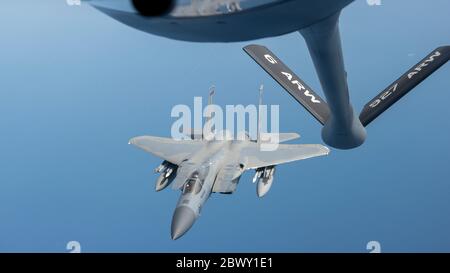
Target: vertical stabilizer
261,90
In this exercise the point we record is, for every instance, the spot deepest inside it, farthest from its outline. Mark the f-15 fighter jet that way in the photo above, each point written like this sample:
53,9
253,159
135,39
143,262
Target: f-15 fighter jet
200,167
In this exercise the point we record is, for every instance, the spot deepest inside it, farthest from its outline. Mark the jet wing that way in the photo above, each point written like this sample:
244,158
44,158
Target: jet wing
252,157
174,151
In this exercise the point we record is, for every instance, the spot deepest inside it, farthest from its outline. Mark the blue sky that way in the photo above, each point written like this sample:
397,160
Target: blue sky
75,85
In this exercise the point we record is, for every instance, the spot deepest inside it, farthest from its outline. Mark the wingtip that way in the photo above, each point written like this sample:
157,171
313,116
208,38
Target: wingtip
132,141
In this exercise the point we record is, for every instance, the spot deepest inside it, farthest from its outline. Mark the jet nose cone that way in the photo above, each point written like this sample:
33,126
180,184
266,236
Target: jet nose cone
182,221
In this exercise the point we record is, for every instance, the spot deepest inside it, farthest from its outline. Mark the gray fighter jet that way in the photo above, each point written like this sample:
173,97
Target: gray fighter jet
199,167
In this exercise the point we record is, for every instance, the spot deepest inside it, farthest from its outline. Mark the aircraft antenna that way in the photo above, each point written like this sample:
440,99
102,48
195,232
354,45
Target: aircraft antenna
212,92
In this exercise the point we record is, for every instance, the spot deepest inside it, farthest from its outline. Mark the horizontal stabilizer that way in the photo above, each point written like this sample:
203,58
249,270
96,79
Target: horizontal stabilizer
284,137
193,133
298,89
404,84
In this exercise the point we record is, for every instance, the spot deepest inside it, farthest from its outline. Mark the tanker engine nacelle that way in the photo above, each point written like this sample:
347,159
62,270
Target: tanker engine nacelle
167,171
265,179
